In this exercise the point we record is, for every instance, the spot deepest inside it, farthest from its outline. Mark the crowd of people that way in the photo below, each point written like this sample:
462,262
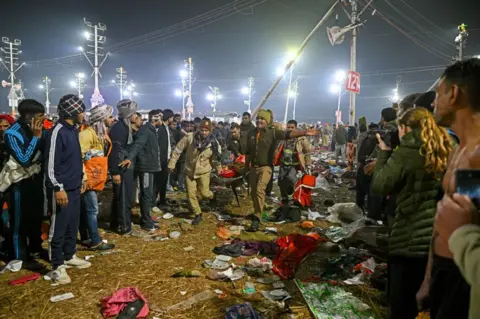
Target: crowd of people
405,176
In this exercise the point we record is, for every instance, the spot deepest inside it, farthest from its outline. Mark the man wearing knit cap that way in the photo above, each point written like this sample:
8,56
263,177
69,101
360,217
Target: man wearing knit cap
147,154
22,142
261,145
122,141
166,145
95,145
202,153
65,183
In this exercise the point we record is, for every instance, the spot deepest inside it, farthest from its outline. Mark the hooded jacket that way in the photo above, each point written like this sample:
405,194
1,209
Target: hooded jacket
403,174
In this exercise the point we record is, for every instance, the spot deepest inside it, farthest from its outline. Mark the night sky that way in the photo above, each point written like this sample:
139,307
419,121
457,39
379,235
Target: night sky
241,44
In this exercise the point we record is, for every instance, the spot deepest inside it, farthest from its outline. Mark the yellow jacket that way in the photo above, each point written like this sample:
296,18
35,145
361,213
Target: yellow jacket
196,163
89,141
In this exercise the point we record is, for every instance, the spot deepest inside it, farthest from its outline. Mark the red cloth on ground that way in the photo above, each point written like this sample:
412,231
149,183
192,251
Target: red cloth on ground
114,304
291,251
303,190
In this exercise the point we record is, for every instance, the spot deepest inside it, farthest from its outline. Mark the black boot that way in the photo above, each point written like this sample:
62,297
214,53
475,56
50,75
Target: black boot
255,226
197,220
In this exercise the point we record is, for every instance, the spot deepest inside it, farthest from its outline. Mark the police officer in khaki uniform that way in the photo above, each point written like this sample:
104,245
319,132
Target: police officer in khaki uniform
261,145
202,152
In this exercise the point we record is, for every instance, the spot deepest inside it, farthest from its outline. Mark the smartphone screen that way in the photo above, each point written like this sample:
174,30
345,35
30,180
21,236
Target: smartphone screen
468,183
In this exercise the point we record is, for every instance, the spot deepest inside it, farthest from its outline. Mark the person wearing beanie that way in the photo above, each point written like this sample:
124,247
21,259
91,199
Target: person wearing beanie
147,153
22,144
166,145
202,153
65,183
261,145
95,145
121,135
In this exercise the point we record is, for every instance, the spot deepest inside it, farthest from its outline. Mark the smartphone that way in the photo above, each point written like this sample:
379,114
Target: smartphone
467,182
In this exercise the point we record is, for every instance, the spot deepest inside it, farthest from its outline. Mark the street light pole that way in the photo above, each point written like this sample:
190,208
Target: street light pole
11,50
214,97
251,82
47,89
290,74
121,80
98,40
79,84
295,95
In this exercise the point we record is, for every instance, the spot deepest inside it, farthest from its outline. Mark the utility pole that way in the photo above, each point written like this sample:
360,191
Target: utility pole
47,89
190,80
461,40
249,91
95,35
121,80
79,83
130,90
11,50
290,75
353,60
294,94
214,97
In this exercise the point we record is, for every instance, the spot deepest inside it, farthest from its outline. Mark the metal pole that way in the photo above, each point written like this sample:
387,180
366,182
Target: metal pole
288,95
295,98
96,57
14,101
250,93
47,94
353,61
338,105
289,65
190,75
121,83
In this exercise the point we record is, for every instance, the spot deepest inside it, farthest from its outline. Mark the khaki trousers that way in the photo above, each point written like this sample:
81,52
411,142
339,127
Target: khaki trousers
197,188
259,179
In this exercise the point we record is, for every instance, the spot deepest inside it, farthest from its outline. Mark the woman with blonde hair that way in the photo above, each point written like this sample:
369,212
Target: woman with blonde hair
413,173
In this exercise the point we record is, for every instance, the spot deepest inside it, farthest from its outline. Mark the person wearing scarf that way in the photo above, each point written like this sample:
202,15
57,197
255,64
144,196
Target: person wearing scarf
65,183
122,140
94,141
202,152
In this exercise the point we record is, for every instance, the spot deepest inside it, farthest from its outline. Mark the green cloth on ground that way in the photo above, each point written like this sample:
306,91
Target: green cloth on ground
332,302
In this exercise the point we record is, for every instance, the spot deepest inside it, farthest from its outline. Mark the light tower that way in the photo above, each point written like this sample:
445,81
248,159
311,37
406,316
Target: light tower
130,90
121,80
293,94
213,97
79,83
11,50
248,91
46,89
96,40
461,40
189,82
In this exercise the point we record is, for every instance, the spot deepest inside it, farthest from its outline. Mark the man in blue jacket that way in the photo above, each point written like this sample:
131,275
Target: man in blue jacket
122,140
64,172
23,142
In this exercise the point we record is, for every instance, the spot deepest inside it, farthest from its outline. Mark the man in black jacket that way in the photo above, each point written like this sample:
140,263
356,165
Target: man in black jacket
165,146
146,151
122,140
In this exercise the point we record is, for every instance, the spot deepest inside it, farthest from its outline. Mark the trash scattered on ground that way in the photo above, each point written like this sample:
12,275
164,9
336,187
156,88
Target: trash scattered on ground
277,294
327,301
223,233
168,216
13,266
307,225
122,299
265,264
187,274
242,311
249,288
344,212
268,280
205,295
189,248
62,297
174,234
24,279
156,210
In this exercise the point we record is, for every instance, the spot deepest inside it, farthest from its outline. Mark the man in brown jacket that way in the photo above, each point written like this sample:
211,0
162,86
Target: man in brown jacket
202,152
292,155
261,144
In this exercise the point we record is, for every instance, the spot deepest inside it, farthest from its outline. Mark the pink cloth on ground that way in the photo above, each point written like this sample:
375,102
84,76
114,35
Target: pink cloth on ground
114,304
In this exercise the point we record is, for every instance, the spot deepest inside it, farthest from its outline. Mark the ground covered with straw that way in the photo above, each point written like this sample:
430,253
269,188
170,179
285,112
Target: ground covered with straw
149,264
